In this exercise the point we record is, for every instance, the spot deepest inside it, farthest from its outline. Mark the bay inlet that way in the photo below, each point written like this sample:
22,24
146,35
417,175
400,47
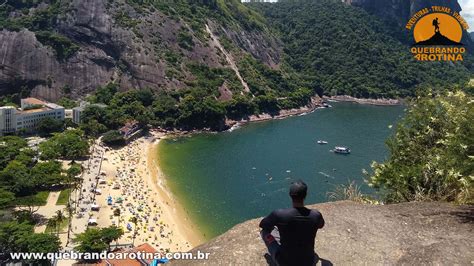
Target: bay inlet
225,178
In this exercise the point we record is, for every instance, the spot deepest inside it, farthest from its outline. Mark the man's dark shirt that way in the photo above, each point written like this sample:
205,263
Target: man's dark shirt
298,227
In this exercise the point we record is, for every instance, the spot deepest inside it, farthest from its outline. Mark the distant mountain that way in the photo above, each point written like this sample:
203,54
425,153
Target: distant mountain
346,50
69,48
438,39
472,35
212,48
399,12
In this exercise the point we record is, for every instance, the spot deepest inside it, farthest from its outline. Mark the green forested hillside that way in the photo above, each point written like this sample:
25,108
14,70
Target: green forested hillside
344,50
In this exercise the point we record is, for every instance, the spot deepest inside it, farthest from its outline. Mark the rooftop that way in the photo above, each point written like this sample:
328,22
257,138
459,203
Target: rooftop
33,105
36,110
130,126
33,101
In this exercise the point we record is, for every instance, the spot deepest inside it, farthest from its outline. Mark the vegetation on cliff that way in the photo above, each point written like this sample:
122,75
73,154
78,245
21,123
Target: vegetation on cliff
188,109
344,50
18,15
431,152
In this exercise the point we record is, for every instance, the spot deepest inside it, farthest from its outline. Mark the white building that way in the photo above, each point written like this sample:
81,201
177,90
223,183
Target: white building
27,117
78,111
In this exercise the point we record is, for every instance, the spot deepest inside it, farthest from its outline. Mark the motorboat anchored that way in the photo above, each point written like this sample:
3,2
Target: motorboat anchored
342,150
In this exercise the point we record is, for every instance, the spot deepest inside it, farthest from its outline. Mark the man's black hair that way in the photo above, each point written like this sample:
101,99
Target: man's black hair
298,190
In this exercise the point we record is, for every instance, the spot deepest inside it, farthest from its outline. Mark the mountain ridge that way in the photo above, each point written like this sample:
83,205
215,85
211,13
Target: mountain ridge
135,46
54,48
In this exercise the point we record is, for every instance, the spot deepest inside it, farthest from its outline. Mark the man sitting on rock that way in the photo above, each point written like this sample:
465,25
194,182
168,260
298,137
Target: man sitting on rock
289,234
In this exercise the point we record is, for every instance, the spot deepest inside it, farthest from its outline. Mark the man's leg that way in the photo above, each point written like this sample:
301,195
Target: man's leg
272,241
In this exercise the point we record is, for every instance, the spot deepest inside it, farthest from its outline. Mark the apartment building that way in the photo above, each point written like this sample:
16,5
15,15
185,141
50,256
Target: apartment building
28,116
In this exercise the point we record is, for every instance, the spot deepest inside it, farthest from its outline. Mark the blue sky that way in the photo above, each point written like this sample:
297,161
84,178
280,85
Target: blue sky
468,12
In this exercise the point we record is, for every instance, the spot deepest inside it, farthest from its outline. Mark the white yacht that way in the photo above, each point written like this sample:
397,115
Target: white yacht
342,150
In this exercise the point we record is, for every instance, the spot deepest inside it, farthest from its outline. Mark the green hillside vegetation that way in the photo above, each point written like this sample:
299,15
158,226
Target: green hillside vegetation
431,152
344,50
194,108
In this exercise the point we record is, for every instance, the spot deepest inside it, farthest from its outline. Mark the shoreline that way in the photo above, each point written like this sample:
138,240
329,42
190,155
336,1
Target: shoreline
316,103
175,210
132,173
377,102
141,178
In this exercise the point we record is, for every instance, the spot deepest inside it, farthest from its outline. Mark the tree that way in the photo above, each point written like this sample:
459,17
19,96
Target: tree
113,137
431,152
105,94
73,171
70,144
27,157
195,113
16,178
96,240
93,128
90,241
67,103
240,107
43,243
59,217
145,96
49,125
29,205
13,236
267,103
24,216
370,58
52,223
134,220
117,213
70,211
110,234
6,197
46,174
20,237
10,147
165,110
93,112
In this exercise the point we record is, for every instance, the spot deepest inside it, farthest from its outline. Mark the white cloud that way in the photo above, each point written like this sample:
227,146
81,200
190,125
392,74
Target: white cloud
468,12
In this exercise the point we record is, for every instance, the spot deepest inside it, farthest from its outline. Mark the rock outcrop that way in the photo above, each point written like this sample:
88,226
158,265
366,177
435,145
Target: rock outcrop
119,42
359,234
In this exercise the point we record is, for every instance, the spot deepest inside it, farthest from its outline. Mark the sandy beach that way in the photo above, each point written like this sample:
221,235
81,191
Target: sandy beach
131,177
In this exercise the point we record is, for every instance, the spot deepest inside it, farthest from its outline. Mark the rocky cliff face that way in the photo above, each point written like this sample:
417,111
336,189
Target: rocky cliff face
358,234
135,46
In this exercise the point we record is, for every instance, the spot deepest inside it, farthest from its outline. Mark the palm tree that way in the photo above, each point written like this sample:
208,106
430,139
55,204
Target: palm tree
117,212
77,186
134,220
59,220
70,212
51,223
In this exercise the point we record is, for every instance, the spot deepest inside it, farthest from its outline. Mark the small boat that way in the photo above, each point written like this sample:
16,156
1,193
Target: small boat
322,142
342,150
